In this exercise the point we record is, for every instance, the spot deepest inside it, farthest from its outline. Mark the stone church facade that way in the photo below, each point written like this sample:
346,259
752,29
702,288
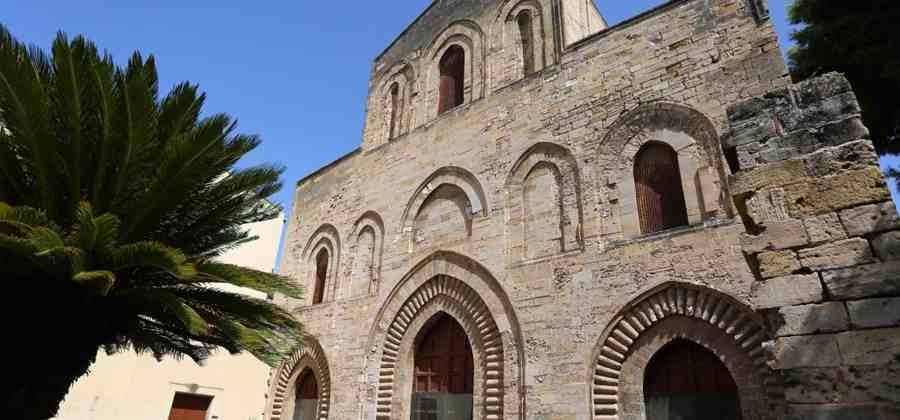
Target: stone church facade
549,218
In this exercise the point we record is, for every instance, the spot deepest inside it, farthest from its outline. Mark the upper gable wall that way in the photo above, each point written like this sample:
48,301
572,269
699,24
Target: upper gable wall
403,83
582,18
421,32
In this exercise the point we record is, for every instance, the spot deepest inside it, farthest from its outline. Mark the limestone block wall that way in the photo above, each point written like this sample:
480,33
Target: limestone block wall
822,238
514,214
488,32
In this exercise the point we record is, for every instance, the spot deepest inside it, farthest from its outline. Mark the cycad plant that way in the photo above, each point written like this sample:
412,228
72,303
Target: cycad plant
114,204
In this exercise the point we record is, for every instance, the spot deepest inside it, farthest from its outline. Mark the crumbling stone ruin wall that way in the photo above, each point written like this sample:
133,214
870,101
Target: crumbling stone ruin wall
823,240
520,215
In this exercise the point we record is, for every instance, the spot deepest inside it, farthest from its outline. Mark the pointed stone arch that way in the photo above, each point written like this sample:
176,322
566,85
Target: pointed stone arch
370,221
469,36
308,355
695,140
403,76
563,165
326,238
450,176
451,284
721,324
506,41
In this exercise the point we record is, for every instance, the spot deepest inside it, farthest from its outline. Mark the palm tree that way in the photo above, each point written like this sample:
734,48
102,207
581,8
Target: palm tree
114,205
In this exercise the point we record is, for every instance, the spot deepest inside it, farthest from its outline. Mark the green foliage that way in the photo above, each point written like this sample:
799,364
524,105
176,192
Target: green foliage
114,203
859,39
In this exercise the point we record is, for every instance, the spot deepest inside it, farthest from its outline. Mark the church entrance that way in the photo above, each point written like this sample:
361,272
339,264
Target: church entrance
684,381
443,373
306,402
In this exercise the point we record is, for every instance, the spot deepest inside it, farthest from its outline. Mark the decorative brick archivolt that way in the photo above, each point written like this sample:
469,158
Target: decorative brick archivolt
568,179
469,36
695,140
308,355
451,284
450,175
712,319
325,238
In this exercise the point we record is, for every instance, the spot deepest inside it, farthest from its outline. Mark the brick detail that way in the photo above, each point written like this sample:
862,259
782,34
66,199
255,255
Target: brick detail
308,355
738,322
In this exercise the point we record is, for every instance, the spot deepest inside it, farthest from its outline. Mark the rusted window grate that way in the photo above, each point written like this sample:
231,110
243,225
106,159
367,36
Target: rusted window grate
452,68
660,197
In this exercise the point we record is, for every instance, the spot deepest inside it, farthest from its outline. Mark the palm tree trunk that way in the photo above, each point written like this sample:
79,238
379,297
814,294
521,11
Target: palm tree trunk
51,343
40,385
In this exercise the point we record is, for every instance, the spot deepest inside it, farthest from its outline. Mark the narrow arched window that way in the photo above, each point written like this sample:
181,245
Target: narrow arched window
453,72
306,401
396,110
321,275
660,197
686,381
444,373
526,34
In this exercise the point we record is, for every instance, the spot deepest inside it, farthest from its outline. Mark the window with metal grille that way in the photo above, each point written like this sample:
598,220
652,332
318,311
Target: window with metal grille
452,68
660,196
686,381
321,275
444,373
526,34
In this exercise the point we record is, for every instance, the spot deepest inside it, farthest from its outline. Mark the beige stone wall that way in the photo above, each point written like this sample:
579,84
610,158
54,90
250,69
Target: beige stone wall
135,387
822,239
541,289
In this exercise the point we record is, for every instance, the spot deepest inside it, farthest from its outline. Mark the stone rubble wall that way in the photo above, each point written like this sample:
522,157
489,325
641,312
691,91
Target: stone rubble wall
823,239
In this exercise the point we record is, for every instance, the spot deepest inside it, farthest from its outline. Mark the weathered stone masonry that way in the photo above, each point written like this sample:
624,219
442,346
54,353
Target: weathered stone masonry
516,214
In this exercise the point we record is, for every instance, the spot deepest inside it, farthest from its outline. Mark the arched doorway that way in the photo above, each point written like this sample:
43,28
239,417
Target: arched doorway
685,381
306,400
444,373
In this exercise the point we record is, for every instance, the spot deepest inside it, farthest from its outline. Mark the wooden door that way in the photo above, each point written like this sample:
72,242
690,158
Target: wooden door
684,381
444,360
189,407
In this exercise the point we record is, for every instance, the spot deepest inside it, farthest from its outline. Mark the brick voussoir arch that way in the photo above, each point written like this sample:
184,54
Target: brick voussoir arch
308,355
453,284
477,321
721,312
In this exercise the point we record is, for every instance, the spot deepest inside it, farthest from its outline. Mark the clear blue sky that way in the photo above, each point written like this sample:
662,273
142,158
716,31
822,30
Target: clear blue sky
294,72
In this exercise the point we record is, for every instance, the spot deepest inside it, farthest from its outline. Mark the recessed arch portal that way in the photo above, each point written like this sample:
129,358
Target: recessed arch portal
451,285
685,380
676,311
290,381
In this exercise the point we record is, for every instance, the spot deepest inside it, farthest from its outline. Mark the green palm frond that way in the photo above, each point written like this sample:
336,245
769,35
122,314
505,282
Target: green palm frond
114,200
165,307
270,283
98,283
155,255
